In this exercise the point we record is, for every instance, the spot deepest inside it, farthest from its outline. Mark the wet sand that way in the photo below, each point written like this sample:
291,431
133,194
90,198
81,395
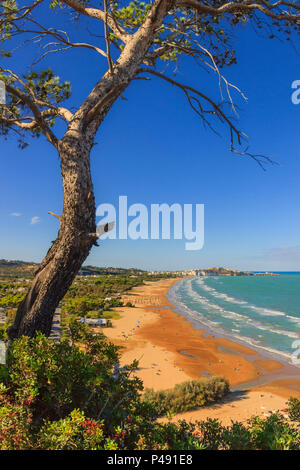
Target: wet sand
171,350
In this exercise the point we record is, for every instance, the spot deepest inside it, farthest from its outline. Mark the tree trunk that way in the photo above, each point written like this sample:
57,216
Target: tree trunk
72,246
77,223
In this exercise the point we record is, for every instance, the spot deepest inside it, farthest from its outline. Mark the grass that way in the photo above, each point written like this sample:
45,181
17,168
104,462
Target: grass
110,315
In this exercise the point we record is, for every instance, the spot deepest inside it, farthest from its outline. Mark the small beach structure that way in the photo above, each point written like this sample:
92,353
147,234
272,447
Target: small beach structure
96,322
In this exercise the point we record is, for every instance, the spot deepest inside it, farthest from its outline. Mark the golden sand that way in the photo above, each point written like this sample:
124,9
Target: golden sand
171,350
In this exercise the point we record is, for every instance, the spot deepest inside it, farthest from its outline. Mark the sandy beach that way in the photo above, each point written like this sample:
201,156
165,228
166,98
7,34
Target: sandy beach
171,350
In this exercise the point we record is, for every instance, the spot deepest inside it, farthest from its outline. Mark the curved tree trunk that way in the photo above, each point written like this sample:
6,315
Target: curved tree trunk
77,223
72,246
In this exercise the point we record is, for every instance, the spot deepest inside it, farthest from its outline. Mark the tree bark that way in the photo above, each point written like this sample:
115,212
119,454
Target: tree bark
72,246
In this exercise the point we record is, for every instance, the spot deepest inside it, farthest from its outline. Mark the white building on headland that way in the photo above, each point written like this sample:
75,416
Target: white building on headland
191,272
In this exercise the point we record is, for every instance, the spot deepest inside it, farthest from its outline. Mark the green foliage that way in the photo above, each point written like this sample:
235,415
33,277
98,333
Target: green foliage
59,377
88,270
273,434
60,395
47,87
44,88
184,31
91,296
2,333
203,29
9,9
187,395
72,433
66,396
132,15
294,409
97,296
82,305
12,300
110,315
15,422
6,286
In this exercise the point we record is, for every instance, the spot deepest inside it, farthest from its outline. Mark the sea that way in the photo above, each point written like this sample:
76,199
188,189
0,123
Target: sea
259,311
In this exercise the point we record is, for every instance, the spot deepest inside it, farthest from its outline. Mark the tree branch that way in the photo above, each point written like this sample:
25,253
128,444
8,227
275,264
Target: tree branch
110,62
28,9
54,215
216,109
246,6
52,109
39,118
109,87
100,15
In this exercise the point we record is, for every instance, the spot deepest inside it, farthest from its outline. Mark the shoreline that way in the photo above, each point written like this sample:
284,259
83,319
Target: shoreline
267,361
170,350
267,353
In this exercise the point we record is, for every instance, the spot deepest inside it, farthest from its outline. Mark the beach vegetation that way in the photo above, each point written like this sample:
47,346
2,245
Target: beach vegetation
12,300
294,409
67,396
187,395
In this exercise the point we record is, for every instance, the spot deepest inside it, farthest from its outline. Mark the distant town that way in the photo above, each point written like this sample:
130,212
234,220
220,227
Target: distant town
212,272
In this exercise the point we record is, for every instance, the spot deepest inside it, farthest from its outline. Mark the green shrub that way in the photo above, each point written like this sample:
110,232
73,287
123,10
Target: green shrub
75,432
15,422
59,377
110,314
67,396
92,314
187,395
273,433
294,409
12,300
2,333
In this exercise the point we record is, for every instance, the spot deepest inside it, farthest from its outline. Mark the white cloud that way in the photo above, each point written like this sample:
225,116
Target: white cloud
35,220
15,214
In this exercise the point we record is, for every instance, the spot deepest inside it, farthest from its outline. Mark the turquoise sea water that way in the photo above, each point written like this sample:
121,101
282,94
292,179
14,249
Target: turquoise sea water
261,311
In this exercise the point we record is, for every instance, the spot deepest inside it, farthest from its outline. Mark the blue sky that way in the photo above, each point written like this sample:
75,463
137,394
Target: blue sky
154,149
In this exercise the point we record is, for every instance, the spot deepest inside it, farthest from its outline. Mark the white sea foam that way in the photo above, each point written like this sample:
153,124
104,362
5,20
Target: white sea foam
208,316
234,334
260,310
220,295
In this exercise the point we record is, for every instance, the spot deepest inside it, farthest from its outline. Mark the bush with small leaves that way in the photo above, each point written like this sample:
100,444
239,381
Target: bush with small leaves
187,395
294,409
68,396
